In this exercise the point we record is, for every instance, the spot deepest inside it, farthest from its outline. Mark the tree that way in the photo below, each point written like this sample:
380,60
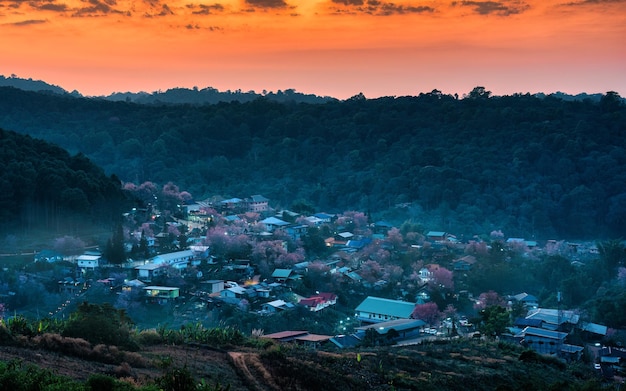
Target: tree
99,324
144,250
612,253
115,251
69,245
489,299
494,320
442,278
479,93
428,312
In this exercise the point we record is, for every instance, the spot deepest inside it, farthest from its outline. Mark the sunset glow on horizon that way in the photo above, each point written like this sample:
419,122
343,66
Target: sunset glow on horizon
333,48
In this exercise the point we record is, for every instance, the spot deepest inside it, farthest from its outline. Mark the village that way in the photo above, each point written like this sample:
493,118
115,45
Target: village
383,284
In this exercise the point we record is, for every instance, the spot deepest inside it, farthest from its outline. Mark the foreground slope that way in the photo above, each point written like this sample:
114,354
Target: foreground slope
450,365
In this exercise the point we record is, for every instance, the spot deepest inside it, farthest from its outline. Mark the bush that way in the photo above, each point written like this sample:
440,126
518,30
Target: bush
148,338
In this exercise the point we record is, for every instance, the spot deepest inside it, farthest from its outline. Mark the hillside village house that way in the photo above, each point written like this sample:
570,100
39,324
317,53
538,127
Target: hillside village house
178,260
276,305
319,301
161,294
273,223
149,271
88,262
376,310
402,328
212,286
464,263
257,203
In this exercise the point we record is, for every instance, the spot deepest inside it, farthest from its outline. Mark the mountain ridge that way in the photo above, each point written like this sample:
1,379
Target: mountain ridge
535,167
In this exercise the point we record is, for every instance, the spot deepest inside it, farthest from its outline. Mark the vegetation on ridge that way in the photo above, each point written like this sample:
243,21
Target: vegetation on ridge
542,167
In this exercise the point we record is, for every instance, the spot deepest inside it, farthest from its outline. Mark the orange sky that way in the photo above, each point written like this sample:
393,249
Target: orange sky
326,47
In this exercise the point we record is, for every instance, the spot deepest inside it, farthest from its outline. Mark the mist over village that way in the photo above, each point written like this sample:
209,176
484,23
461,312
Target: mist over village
194,239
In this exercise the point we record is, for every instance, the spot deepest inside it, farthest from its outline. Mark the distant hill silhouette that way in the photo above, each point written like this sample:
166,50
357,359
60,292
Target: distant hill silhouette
192,96
211,96
30,85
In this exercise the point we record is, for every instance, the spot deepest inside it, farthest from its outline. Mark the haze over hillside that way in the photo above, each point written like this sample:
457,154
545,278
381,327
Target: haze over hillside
534,166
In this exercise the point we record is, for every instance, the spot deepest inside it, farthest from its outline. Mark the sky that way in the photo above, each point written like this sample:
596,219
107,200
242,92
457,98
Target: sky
337,48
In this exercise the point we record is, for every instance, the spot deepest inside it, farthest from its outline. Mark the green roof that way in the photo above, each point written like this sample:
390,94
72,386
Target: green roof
395,308
281,273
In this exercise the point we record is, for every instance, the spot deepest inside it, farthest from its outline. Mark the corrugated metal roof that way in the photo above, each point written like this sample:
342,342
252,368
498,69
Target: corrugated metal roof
377,305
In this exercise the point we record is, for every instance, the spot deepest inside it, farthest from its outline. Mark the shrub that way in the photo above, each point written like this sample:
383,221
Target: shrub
148,337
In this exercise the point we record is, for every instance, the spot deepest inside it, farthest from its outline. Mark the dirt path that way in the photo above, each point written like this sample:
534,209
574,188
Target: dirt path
241,362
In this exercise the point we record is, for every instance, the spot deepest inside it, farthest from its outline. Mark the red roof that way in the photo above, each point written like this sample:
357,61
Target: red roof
321,298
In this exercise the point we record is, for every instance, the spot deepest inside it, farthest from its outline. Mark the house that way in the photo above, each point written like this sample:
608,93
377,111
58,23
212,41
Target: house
382,227
549,342
88,262
300,337
345,341
427,272
178,260
394,329
200,253
312,341
436,236
257,203
376,310
524,322
241,267
161,294
612,359
344,236
297,231
212,286
132,285
319,301
543,341
554,319
324,217
358,244
282,275
529,301
71,286
234,292
594,330
273,223
465,263
275,306
149,271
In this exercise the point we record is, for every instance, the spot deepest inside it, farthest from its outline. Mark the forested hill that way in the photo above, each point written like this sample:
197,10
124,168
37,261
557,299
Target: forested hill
530,166
43,187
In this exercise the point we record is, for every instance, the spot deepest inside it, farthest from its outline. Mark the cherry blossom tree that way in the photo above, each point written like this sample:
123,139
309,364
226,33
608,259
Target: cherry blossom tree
496,235
393,273
381,256
371,271
69,245
428,312
477,248
443,278
488,299
394,237
146,192
267,251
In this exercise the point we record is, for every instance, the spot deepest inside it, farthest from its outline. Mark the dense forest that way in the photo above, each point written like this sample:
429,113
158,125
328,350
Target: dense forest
532,166
43,187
